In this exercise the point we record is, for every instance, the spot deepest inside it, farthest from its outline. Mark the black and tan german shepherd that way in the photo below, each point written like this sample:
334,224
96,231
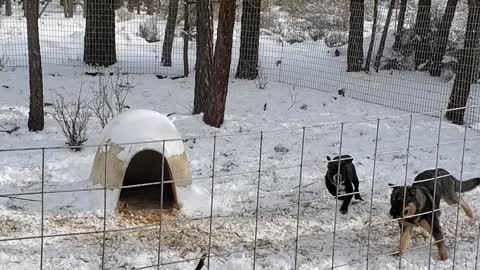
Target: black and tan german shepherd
415,204
346,183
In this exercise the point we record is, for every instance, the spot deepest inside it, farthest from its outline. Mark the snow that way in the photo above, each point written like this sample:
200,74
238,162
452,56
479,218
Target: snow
132,128
185,233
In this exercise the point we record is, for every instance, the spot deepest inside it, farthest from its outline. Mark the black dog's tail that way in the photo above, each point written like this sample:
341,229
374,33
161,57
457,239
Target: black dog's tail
466,185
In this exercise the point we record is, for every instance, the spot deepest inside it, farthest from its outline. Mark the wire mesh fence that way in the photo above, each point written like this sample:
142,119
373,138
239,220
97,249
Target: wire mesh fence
301,43
253,214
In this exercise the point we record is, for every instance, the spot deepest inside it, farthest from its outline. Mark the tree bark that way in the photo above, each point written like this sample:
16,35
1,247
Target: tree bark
150,8
372,38
100,33
422,32
35,115
215,111
355,36
8,7
186,30
204,62
249,40
467,67
131,5
169,33
383,40
400,25
442,38
68,8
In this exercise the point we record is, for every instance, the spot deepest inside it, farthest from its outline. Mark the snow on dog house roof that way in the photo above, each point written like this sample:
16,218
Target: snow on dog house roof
138,162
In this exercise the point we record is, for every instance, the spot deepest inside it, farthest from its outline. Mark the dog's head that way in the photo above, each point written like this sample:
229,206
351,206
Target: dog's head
332,164
402,201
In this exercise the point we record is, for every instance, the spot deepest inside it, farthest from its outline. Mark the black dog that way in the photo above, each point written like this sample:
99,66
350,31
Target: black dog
346,183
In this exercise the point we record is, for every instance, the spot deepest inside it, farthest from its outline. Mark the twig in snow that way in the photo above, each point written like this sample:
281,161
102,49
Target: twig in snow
10,131
306,184
201,263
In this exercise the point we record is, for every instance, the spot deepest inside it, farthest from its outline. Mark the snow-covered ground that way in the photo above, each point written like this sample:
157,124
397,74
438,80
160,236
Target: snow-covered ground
281,110
185,233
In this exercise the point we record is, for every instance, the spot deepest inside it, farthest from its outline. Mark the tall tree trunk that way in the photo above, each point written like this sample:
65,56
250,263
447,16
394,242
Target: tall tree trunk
139,6
169,33
68,8
383,40
35,115
186,30
422,32
131,5
400,25
372,38
442,38
204,62
355,36
100,33
150,8
466,67
8,7
249,40
215,111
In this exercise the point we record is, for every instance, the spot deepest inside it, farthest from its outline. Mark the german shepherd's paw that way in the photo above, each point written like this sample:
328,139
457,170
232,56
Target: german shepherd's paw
344,210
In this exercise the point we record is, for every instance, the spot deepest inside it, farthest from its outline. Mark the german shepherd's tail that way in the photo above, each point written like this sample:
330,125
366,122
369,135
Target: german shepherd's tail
466,185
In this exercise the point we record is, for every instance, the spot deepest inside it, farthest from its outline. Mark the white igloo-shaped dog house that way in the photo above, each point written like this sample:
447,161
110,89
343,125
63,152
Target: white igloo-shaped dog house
138,143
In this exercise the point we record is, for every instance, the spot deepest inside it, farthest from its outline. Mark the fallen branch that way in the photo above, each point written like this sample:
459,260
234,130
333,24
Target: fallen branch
10,131
201,263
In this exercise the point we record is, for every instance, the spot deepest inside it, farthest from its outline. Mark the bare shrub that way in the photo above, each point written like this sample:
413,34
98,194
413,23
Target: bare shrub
109,96
123,15
149,31
336,39
73,118
3,61
262,80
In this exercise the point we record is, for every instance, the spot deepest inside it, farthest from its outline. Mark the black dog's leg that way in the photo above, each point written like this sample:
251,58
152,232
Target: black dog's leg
346,202
352,175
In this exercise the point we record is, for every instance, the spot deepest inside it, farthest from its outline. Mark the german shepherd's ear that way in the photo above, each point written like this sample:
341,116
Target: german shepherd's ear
328,158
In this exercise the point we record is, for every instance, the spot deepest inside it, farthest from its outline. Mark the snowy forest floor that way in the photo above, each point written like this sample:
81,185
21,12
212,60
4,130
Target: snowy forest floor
185,232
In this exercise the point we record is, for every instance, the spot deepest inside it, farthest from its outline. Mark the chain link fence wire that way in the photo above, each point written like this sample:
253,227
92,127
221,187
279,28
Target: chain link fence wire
46,229
302,43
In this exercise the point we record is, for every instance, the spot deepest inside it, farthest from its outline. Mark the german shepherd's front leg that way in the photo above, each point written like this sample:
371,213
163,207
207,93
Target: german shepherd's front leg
438,236
406,236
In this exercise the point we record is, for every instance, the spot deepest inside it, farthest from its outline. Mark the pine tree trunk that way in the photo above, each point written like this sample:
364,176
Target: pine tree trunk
249,40
422,31
100,33
35,115
68,8
355,36
442,38
204,62
372,38
467,67
8,7
215,111
186,30
383,40
150,8
131,5
169,33
400,25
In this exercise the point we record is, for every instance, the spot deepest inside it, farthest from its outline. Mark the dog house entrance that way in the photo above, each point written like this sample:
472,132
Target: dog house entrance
146,167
